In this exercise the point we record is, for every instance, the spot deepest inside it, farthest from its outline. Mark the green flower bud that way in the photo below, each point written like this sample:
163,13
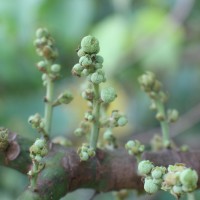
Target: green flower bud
157,181
108,135
122,121
38,158
158,172
88,94
80,53
189,178
35,120
157,86
97,78
64,98
145,167
172,115
91,152
85,72
85,61
42,32
150,187
88,116
44,151
84,156
177,190
40,143
90,44
42,65
160,116
134,147
79,132
108,94
99,59
55,68
77,69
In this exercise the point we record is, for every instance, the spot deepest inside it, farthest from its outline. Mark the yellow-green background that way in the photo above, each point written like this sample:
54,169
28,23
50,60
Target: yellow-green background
135,35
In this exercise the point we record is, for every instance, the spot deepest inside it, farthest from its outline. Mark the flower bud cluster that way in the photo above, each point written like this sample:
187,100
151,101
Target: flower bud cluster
153,176
37,122
117,119
3,139
84,129
45,44
172,115
38,150
179,180
45,48
134,147
85,152
90,64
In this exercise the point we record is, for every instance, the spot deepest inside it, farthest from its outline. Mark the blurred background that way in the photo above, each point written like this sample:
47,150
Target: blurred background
135,36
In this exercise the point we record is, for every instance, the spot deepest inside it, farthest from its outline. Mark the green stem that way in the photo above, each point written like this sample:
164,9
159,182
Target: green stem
48,106
190,196
96,113
164,124
33,177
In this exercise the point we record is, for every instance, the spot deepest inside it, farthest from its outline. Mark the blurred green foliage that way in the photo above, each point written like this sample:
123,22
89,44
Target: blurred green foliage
135,35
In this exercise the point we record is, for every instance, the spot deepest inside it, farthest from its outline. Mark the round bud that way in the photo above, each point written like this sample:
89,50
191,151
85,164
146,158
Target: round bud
130,144
172,115
108,94
158,172
79,132
99,59
122,121
189,177
177,190
44,151
55,68
107,135
90,44
40,143
97,78
85,61
80,53
160,116
38,158
84,156
145,167
149,186
41,65
41,32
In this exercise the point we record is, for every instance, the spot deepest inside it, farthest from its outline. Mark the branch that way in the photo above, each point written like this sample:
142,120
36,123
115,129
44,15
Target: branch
109,170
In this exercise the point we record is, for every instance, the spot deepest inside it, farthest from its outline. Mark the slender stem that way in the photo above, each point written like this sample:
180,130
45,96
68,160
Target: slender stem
191,196
164,124
96,113
33,177
48,106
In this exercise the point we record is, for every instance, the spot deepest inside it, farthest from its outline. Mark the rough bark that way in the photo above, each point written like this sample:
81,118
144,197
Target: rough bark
108,170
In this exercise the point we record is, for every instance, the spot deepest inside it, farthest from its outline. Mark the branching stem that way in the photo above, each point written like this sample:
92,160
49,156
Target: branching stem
48,106
96,113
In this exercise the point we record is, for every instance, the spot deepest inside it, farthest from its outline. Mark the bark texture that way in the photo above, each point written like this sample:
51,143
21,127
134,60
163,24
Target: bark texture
108,170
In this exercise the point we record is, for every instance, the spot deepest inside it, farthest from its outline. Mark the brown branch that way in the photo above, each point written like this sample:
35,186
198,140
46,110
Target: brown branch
107,171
